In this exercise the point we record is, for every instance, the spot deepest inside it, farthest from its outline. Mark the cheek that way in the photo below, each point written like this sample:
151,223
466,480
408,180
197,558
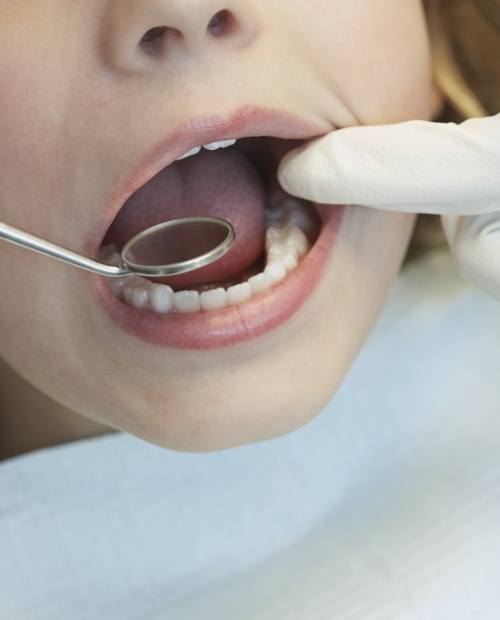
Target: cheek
25,142
379,59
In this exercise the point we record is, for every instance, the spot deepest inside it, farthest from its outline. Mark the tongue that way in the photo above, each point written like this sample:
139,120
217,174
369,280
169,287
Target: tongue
220,183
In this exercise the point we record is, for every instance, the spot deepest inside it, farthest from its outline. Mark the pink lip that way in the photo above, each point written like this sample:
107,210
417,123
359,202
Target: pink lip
262,313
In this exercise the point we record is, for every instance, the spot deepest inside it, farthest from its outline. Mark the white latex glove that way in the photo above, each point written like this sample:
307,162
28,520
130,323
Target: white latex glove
419,167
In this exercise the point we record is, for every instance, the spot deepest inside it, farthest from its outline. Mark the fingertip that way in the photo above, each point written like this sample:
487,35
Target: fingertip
287,171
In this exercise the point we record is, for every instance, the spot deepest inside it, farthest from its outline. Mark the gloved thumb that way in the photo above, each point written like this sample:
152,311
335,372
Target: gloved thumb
415,166
341,167
310,170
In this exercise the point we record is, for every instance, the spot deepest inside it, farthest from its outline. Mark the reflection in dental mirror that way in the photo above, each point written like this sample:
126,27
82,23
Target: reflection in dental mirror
196,240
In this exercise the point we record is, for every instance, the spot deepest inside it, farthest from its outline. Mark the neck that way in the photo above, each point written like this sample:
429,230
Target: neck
30,420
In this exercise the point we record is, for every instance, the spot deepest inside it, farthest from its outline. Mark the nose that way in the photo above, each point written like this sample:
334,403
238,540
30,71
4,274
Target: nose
137,33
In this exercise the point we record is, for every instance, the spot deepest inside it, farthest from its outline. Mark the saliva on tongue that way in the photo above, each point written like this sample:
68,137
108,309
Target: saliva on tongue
221,183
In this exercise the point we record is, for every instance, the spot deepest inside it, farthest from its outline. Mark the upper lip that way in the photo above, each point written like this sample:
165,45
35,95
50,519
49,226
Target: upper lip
244,122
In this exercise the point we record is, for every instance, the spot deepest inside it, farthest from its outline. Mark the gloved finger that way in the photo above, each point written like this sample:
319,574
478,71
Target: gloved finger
414,166
475,245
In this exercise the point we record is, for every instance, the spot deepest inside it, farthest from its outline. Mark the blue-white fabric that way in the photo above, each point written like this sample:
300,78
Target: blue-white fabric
385,507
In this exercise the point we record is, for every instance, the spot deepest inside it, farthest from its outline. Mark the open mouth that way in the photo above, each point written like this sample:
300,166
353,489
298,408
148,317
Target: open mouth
233,181
268,273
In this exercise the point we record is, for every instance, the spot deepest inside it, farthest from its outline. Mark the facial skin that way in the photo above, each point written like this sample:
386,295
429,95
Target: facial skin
80,104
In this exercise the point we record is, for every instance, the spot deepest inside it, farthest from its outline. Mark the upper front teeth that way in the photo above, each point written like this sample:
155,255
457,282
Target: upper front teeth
219,145
194,151
213,146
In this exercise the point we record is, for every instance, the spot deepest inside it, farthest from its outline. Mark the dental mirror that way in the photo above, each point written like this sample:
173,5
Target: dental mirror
172,247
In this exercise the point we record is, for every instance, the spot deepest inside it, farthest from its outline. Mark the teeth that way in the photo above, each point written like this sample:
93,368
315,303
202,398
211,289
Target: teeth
285,209
297,240
114,258
139,297
238,294
215,299
187,301
161,298
116,285
223,144
194,151
260,282
286,244
135,291
219,145
290,260
276,271
107,251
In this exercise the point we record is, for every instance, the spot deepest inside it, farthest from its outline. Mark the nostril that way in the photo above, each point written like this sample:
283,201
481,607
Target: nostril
220,23
153,33
154,40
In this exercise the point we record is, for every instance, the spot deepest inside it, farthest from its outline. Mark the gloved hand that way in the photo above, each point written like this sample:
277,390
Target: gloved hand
419,167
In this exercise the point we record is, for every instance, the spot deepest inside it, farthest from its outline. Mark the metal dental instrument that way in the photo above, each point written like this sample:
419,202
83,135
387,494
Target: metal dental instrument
172,247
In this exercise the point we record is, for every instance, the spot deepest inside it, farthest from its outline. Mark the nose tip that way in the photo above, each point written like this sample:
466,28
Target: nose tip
136,31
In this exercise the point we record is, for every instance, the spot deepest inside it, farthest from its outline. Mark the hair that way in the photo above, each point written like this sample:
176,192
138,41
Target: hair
465,46
465,43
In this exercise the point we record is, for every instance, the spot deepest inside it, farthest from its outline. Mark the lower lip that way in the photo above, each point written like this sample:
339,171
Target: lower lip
236,324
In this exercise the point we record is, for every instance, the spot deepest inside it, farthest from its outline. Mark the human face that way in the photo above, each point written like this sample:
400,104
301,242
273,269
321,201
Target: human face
82,103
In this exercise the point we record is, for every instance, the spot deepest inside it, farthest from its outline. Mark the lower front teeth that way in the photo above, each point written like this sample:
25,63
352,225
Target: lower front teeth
238,293
161,298
187,301
216,299
286,244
